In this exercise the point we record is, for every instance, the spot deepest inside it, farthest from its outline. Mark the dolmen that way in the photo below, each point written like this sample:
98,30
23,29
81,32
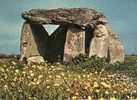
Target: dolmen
81,31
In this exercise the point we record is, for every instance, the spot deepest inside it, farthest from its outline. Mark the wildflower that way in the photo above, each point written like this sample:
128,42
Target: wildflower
84,70
106,92
32,74
89,98
105,85
47,80
37,82
114,92
2,69
39,67
97,90
40,76
88,76
6,86
74,98
58,76
84,75
86,87
62,74
101,99
96,72
50,76
68,89
76,93
56,84
17,71
113,98
48,87
14,63
95,84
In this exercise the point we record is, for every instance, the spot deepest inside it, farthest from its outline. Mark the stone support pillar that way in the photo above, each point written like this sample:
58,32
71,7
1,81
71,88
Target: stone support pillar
75,43
34,39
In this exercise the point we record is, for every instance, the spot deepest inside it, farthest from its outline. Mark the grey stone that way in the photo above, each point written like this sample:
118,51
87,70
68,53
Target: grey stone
80,16
100,42
116,50
36,59
34,40
75,43
105,43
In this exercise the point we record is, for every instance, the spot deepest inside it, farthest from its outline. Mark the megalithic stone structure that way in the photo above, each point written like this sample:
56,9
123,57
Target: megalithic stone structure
82,30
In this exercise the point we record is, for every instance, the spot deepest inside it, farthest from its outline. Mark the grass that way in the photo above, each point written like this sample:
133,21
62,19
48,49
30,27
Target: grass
84,78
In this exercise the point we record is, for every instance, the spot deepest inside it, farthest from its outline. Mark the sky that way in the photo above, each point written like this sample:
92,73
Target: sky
122,16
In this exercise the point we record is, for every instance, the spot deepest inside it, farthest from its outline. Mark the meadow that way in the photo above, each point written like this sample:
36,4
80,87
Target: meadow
83,78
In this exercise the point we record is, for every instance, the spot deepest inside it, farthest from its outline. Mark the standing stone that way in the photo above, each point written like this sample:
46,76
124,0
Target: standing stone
34,39
100,42
116,49
106,44
75,43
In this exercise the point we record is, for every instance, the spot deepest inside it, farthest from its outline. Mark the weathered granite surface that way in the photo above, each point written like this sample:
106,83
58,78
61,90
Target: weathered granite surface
34,40
75,43
105,43
80,16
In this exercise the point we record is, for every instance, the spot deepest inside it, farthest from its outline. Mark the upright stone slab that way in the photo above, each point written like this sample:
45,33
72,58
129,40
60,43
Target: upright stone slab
100,42
34,39
75,43
116,49
105,43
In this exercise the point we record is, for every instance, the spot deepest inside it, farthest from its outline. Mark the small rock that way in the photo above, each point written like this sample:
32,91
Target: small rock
36,59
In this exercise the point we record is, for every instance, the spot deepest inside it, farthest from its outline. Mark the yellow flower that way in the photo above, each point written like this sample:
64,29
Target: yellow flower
114,92
2,69
32,74
48,87
96,72
113,98
101,99
17,71
56,84
74,98
14,63
68,89
86,87
77,93
105,85
62,74
95,84
50,76
58,76
89,98
39,67
47,80
37,82
40,76
106,92
97,90
84,75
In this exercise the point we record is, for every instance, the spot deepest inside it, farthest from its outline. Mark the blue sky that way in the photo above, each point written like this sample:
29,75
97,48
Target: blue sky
122,16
